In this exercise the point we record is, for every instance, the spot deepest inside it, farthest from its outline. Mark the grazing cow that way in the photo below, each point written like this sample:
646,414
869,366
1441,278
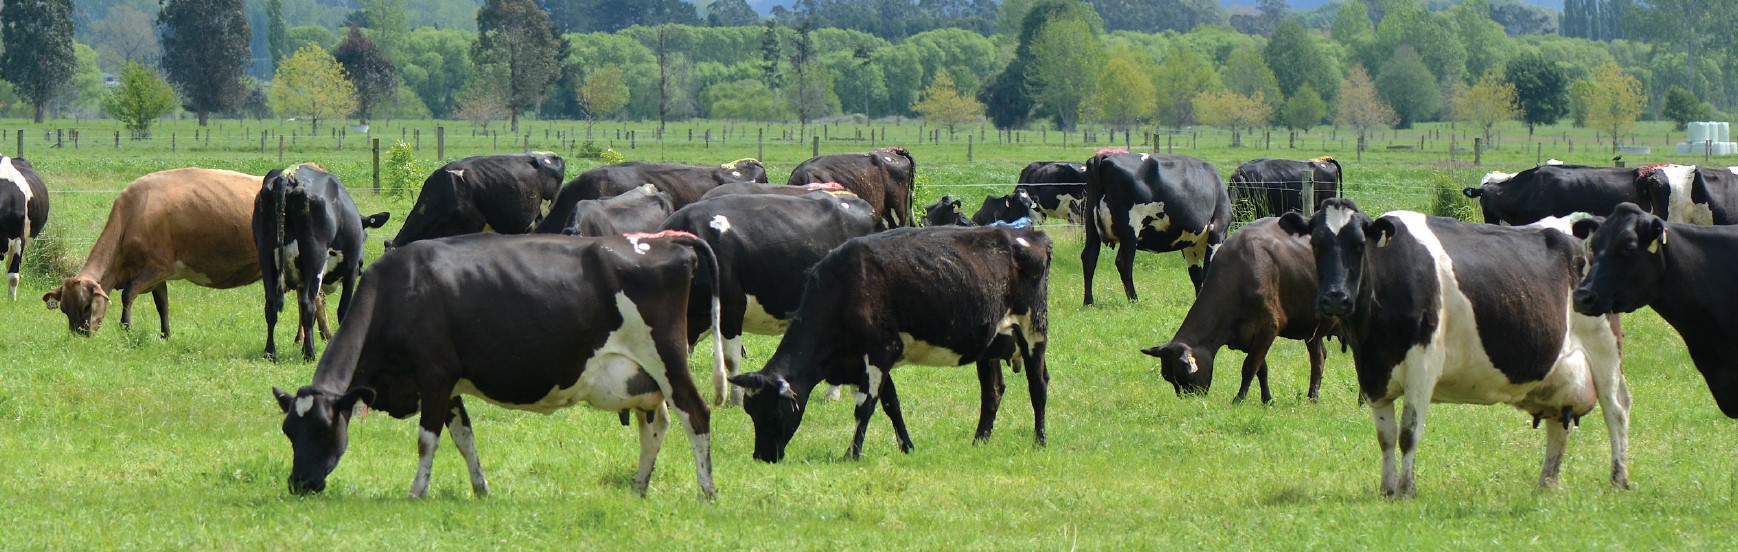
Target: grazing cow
1262,286
1685,272
1155,203
1274,186
735,188
945,212
685,183
1686,193
534,323
641,209
941,296
23,212
308,235
1444,311
1553,190
886,178
503,193
765,245
178,224
1057,187
1005,208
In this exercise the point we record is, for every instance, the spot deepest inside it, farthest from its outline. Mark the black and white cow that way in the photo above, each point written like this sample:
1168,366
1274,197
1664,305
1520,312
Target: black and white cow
1005,208
23,212
1156,203
1687,273
941,296
1262,286
1444,311
309,237
685,183
1691,194
765,244
885,177
1057,187
534,323
735,188
503,193
1274,186
1553,190
945,212
641,209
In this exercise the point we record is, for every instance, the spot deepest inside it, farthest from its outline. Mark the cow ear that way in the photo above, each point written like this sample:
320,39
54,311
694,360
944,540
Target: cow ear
274,173
52,298
1379,231
753,381
1584,228
360,395
376,220
1659,230
284,399
1172,351
1295,224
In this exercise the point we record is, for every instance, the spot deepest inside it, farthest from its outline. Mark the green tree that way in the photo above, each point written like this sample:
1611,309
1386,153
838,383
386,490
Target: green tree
38,58
1247,73
1489,101
1486,44
1125,93
1296,60
1542,88
943,105
484,101
142,97
731,13
1613,101
388,23
205,52
1407,85
370,70
744,100
1304,110
1431,37
276,32
311,85
604,93
1230,110
439,67
1682,107
1178,79
124,35
1352,28
1056,78
518,37
809,92
1006,97
1360,106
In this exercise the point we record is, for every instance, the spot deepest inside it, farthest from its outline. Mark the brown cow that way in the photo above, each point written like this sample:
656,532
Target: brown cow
179,224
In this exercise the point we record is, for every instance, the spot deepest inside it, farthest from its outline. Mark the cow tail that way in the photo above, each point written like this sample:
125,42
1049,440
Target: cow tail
280,202
709,268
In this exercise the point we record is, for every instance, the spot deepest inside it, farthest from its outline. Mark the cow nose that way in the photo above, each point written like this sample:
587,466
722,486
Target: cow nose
302,487
1586,301
1335,303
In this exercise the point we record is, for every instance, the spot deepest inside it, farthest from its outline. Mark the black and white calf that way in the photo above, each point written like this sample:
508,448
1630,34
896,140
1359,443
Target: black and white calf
940,296
765,243
945,212
309,237
641,209
1443,311
535,323
1157,203
1057,187
23,212
1687,273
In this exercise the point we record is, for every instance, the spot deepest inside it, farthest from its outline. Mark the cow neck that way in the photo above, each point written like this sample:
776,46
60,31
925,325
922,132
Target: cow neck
102,264
1679,299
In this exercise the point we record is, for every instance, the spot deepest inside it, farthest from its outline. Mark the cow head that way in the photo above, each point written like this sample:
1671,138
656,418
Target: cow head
746,170
945,211
777,411
1179,365
83,301
1338,233
1628,261
317,422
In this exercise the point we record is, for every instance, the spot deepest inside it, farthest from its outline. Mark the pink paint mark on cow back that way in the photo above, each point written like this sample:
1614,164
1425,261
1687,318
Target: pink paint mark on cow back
1110,150
824,187
656,235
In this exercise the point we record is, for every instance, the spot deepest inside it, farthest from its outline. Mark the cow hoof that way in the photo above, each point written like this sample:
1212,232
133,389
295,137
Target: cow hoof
482,491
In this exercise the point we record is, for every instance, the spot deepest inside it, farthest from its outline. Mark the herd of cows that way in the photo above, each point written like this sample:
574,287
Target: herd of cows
602,298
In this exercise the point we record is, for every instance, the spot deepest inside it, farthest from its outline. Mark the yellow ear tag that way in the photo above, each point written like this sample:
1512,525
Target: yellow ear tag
1654,247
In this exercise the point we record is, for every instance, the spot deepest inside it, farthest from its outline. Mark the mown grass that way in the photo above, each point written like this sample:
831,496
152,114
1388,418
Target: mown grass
126,440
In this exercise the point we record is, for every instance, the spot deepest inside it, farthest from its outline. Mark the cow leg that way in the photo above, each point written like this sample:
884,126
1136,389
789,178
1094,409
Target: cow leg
1125,268
1613,391
733,354
867,396
1037,382
671,372
1411,431
1556,439
890,400
834,391
160,298
990,389
320,316
1387,434
12,266
459,426
1089,257
274,306
653,425
1318,354
428,437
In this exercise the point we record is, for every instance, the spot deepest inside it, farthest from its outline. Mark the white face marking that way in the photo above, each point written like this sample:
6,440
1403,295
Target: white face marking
1155,211
1495,177
303,405
1336,217
626,353
9,172
720,223
1022,242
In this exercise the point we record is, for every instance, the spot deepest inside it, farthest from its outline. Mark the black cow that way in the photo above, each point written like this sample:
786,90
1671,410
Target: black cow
308,235
1444,311
765,244
1005,208
533,323
1554,190
735,188
945,212
685,183
1274,186
886,178
504,193
1057,187
1685,272
943,296
1262,286
1156,203
641,209
1686,193
23,212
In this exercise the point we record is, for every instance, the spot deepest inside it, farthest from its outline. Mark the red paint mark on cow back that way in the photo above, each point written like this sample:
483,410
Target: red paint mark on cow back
1649,169
1110,150
656,235
824,187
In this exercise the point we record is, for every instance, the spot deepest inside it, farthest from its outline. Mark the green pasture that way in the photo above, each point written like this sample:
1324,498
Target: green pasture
125,440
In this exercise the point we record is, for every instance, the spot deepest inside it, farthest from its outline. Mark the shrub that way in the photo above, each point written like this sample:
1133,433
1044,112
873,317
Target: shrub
401,172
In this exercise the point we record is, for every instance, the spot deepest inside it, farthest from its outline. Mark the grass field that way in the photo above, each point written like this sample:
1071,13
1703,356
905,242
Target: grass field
128,441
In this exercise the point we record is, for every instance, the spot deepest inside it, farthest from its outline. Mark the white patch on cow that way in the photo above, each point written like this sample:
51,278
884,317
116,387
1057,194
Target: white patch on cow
737,174
1196,249
628,352
1102,218
1336,217
720,224
1679,206
845,206
1144,156
10,173
1733,170
182,272
426,442
457,172
1064,206
756,319
1566,225
923,353
701,444
1553,161
640,248
1496,177
1142,211
886,158
304,404
1022,242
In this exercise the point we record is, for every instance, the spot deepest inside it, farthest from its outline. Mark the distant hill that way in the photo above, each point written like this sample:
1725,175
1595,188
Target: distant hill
765,6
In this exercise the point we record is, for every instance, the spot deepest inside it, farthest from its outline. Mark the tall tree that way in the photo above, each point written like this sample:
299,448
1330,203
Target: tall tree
1006,97
1125,91
276,36
1182,75
1695,25
731,13
519,38
1057,79
141,98
1304,110
943,105
38,58
1486,45
205,52
370,70
389,23
125,35
1542,88
1406,83
1614,100
1247,73
604,93
1233,111
1487,102
311,85
1271,13
770,54
1295,59
1682,107
1360,106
